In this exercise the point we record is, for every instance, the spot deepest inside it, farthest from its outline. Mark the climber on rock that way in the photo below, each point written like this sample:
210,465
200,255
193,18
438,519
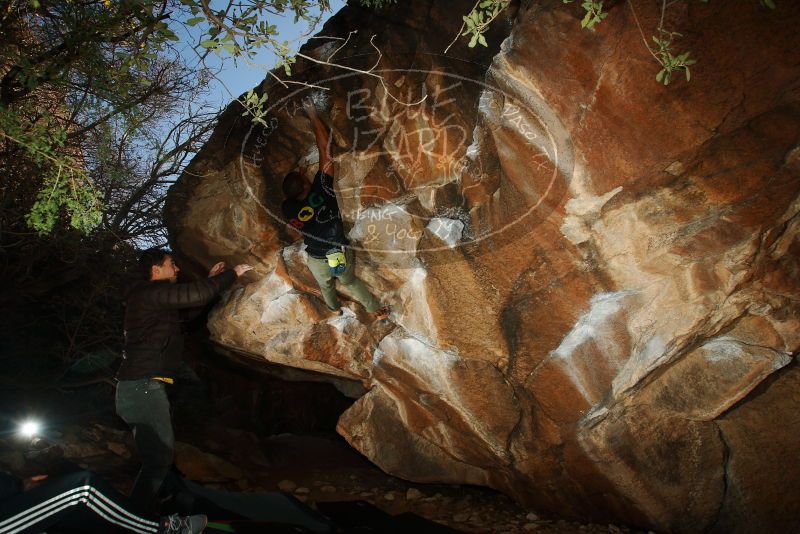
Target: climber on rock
310,207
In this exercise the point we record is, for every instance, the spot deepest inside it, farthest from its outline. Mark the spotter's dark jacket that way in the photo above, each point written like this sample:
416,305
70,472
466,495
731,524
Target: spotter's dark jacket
153,334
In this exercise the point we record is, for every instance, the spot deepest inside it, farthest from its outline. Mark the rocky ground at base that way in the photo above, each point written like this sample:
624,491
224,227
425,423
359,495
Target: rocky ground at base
313,468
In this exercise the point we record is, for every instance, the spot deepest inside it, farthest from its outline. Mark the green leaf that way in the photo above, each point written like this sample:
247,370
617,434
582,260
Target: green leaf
168,34
660,76
482,40
208,44
474,40
194,21
587,19
688,76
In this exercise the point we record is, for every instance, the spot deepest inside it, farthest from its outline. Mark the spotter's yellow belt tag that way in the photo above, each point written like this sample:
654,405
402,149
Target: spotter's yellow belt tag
164,379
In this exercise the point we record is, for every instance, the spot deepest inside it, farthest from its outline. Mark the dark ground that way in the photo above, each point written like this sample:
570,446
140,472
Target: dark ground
245,432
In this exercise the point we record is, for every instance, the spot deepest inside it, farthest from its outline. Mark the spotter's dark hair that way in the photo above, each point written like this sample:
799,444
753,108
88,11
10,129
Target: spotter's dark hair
151,257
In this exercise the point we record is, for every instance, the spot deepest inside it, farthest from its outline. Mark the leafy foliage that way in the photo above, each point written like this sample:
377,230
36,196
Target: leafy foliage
254,107
69,68
86,63
486,11
65,184
242,28
477,21
594,12
64,187
669,61
98,115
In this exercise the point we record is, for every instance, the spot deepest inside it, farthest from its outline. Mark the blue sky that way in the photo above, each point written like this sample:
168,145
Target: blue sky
234,79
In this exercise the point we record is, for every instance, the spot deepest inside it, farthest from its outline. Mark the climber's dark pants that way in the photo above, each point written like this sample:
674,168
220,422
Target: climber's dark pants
79,502
144,405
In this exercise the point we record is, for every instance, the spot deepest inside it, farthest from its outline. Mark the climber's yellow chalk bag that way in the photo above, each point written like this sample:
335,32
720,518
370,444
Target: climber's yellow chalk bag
336,260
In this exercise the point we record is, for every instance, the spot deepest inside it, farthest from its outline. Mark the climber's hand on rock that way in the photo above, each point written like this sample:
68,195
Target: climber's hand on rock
242,268
309,107
216,269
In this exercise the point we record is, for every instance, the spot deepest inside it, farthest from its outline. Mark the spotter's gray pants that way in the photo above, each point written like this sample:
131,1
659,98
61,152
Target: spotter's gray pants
144,405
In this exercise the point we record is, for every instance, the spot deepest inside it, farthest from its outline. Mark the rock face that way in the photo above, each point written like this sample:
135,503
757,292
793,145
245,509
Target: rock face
594,278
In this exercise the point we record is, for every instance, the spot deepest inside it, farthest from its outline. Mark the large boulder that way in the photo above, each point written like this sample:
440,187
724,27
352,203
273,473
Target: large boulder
594,277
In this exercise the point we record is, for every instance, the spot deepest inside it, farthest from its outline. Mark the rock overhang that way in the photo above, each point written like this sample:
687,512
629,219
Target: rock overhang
587,289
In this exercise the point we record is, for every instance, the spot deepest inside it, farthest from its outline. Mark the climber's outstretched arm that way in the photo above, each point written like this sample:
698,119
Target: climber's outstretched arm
322,135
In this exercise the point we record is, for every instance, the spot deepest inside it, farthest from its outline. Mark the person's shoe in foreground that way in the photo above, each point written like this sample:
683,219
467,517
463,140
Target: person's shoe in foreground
190,524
